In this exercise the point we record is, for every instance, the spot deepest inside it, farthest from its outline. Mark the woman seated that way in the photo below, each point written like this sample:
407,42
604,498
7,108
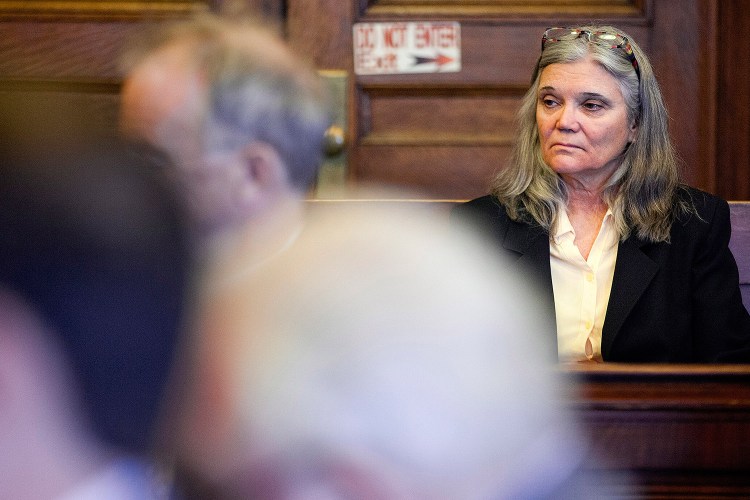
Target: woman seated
635,264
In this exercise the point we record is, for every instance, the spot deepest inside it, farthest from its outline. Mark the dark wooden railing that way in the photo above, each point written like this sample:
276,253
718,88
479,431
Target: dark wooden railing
673,431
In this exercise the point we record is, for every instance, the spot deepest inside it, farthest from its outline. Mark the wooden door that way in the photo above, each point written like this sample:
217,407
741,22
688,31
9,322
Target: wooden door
445,134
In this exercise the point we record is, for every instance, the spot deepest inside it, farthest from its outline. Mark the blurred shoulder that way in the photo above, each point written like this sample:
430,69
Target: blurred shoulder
487,205
485,214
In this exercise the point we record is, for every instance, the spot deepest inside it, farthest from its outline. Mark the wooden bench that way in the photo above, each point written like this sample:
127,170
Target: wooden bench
740,244
666,431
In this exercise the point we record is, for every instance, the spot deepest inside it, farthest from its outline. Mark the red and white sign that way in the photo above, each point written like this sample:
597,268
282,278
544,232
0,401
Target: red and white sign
413,47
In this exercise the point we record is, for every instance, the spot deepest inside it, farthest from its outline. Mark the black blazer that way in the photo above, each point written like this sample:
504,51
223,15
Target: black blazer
676,302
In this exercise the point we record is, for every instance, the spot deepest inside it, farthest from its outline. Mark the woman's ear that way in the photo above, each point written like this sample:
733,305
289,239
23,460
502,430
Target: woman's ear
633,131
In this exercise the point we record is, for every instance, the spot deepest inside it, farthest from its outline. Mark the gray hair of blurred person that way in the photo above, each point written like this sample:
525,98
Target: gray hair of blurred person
280,101
641,192
379,357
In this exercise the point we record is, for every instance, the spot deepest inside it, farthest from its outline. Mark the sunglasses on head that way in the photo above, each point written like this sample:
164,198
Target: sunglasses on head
603,38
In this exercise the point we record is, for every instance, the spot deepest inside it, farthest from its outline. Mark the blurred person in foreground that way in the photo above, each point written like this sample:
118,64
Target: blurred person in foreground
94,280
634,265
241,118
379,357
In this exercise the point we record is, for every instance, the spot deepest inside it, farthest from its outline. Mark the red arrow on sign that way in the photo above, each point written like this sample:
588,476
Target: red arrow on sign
440,60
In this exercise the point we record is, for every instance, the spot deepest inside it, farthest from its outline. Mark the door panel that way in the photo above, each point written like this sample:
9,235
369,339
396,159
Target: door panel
444,142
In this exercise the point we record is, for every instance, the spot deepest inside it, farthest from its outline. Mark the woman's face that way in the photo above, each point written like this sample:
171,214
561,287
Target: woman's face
583,122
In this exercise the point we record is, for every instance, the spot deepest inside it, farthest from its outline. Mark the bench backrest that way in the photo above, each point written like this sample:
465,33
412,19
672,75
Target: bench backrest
740,244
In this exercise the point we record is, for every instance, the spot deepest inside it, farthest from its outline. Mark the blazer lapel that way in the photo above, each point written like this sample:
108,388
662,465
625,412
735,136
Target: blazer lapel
531,244
634,271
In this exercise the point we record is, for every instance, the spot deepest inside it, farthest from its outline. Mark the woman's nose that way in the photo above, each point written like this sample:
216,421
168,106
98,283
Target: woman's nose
567,118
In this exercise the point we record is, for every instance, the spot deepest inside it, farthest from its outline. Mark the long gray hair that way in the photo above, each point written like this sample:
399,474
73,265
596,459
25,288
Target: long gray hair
642,192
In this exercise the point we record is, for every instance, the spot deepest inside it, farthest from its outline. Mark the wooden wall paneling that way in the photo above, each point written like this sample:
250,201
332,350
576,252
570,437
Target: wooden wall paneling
322,31
445,141
76,40
733,101
62,51
97,103
681,50
70,62
67,51
81,40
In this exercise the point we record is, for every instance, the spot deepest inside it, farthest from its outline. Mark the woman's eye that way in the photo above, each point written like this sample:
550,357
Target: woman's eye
549,102
592,106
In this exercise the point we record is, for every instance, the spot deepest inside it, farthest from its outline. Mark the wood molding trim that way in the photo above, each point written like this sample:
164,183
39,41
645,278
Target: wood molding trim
110,87
46,10
508,9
